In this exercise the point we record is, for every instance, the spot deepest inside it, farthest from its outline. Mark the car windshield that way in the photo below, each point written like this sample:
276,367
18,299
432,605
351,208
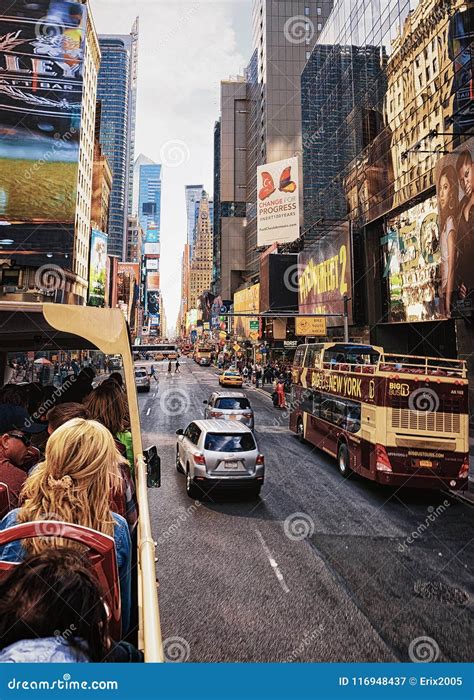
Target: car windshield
219,442
141,373
232,403
232,374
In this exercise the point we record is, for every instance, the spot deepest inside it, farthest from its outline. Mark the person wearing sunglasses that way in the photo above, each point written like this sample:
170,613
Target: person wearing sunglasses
16,428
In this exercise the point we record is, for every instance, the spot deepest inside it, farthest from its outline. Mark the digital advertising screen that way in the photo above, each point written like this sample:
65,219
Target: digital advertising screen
41,67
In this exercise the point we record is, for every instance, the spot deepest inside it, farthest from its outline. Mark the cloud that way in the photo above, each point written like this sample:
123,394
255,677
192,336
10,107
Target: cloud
185,50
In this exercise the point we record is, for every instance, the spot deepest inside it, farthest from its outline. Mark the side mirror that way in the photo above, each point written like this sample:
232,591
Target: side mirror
153,467
180,431
205,402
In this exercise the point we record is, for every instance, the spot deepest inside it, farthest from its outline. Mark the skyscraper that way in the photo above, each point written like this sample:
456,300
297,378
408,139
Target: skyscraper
193,195
284,35
117,92
201,265
149,199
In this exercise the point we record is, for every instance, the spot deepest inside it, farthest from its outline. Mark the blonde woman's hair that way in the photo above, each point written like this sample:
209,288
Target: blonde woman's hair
74,482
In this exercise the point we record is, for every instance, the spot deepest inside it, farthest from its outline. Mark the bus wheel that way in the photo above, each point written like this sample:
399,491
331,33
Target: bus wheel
343,460
300,430
179,468
191,488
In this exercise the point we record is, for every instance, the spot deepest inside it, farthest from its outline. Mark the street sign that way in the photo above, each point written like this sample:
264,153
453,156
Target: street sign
254,325
310,326
236,347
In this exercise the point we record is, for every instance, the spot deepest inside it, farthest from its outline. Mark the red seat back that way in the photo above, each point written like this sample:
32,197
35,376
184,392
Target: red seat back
101,554
4,500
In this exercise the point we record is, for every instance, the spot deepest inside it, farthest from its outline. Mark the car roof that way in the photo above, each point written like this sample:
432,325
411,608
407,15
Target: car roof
221,426
229,394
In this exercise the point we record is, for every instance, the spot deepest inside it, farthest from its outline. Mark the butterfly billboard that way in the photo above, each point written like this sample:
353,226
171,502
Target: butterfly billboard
278,211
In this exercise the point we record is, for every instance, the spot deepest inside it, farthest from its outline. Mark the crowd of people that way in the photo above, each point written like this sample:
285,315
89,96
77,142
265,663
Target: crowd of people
274,374
66,455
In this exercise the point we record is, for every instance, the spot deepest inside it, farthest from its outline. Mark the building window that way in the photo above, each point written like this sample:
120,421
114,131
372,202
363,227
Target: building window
308,54
306,11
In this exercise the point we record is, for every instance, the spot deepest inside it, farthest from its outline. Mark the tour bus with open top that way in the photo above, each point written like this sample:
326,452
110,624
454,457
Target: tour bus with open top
32,328
395,419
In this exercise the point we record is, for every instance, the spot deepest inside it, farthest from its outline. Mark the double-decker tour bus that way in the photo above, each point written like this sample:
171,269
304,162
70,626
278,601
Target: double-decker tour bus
29,328
395,419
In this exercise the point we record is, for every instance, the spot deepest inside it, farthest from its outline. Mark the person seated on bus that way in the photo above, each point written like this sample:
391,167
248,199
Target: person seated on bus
63,412
14,395
106,404
76,389
117,378
52,611
80,466
16,429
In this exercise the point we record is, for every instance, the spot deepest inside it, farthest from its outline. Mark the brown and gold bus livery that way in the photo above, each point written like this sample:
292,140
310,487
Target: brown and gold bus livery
399,420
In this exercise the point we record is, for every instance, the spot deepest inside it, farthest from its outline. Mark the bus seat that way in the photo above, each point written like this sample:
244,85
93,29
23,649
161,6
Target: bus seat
4,500
101,554
368,369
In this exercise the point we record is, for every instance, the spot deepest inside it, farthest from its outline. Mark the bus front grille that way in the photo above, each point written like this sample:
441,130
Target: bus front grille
405,419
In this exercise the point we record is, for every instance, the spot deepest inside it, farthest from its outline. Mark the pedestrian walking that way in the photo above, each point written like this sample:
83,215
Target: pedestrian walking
281,394
245,374
176,366
170,367
153,373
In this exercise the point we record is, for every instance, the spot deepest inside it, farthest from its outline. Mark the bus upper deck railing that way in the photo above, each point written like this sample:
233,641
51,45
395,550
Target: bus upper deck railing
400,364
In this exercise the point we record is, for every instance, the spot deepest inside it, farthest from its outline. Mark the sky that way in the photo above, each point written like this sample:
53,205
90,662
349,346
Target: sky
185,49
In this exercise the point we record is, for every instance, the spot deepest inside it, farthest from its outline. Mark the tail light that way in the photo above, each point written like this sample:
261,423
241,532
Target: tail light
200,459
260,459
382,460
215,414
464,471
247,415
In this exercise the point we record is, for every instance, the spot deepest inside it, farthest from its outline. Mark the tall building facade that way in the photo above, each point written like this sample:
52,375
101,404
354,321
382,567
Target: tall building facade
284,34
200,275
47,251
379,142
230,192
149,200
117,92
193,194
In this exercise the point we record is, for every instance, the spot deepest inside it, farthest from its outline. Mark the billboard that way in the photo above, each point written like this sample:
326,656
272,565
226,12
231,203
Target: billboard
153,303
152,248
455,194
278,211
41,62
246,301
152,264
97,268
153,281
413,262
325,275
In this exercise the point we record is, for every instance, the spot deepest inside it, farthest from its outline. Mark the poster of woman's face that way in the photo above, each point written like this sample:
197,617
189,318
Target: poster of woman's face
455,193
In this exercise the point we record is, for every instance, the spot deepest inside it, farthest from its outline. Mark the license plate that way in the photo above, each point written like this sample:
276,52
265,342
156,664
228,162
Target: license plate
232,466
233,417
425,463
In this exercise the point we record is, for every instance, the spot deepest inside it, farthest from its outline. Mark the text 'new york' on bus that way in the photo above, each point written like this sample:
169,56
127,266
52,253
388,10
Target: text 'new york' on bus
399,420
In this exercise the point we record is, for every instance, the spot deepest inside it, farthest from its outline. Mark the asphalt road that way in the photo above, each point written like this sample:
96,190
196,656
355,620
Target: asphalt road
318,569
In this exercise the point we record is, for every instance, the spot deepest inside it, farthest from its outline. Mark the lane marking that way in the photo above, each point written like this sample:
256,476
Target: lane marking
148,412
273,562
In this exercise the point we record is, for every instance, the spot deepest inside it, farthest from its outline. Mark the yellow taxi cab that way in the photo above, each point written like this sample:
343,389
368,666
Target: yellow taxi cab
230,378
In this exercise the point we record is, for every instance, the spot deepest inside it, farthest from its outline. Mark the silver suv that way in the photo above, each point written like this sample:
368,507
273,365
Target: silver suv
216,454
142,380
230,405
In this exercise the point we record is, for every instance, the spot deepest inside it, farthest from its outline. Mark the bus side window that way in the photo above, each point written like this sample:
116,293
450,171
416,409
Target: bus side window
299,356
353,417
339,414
316,403
326,409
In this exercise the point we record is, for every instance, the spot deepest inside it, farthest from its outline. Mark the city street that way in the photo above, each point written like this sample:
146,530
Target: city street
318,569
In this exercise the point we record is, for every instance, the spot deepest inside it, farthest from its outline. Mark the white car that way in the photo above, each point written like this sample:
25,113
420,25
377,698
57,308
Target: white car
219,454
